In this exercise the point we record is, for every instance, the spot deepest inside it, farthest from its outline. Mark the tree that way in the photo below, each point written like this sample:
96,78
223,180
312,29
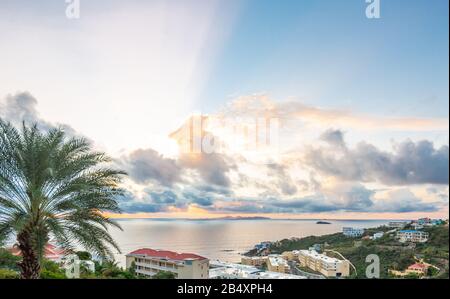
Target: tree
54,188
84,255
164,275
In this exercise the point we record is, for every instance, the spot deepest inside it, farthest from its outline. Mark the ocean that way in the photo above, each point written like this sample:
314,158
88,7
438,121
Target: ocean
225,240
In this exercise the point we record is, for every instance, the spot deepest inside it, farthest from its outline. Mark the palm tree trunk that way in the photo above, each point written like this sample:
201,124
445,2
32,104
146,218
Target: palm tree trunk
29,266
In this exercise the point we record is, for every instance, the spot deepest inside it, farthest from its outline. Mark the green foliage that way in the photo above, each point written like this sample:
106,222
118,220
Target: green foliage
8,260
51,270
55,187
164,275
8,274
110,269
393,254
84,255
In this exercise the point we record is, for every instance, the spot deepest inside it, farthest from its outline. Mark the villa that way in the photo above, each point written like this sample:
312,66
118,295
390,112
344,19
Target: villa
148,262
415,236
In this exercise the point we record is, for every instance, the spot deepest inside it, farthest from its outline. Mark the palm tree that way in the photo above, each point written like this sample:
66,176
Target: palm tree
54,188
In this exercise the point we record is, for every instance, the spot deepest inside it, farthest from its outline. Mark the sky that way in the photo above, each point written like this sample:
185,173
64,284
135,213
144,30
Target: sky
358,107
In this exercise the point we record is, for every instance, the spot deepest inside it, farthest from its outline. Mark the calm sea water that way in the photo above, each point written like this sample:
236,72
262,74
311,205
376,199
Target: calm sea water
219,239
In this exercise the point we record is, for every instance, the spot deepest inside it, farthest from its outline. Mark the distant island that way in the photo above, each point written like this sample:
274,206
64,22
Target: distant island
323,222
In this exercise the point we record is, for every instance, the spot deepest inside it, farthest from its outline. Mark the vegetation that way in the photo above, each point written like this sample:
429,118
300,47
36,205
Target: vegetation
8,261
54,187
164,275
393,254
8,274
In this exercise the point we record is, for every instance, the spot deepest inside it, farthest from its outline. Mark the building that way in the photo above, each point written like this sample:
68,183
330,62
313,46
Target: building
276,263
418,269
377,235
51,252
415,236
398,224
255,261
149,262
316,247
290,255
222,270
424,221
328,266
352,232
417,226
262,245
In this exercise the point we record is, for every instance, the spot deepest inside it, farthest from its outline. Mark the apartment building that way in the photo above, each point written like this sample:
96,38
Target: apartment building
255,261
398,224
276,263
149,262
415,236
328,266
290,255
352,232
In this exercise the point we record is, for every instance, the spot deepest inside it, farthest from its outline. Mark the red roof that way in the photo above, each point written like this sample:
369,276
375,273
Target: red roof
164,254
50,251
418,266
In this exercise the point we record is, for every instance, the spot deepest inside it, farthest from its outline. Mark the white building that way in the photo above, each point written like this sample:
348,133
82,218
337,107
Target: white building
149,262
352,232
398,224
377,235
415,236
222,270
328,266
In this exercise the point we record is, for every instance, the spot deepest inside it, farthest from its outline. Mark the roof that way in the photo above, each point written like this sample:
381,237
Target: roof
50,251
418,266
411,231
169,255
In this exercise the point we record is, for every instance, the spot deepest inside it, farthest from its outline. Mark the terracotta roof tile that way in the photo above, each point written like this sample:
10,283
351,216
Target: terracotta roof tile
164,254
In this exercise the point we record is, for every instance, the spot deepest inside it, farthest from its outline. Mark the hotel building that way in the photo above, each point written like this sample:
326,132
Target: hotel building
352,232
276,263
415,236
255,261
328,266
149,262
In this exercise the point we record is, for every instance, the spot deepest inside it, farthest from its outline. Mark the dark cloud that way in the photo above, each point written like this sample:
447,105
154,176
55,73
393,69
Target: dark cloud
145,166
213,168
410,163
404,201
165,197
283,179
334,137
129,204
356,199
201,200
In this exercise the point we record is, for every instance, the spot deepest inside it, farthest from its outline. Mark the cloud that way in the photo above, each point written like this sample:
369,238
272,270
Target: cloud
147,165
404,201
212,168
356,199
263,106
283,179
22,108
410,163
